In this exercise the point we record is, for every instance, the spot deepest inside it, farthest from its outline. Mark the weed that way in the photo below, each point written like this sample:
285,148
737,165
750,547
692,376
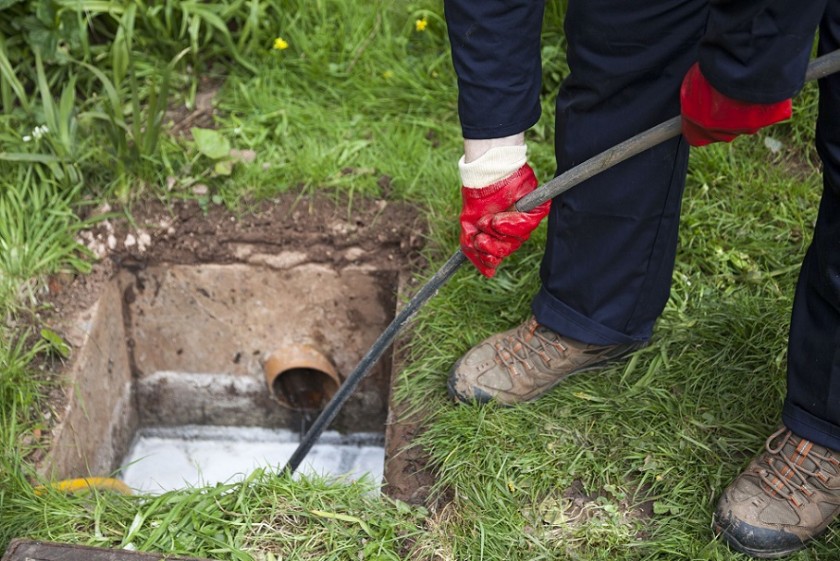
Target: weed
36,234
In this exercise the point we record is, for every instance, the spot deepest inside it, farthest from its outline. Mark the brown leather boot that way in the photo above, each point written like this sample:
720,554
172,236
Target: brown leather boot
524,363
788,495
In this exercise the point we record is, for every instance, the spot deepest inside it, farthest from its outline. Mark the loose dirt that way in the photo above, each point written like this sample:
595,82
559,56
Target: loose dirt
288,230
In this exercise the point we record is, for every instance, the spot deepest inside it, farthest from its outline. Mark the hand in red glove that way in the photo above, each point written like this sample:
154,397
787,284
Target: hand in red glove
491,228
709,116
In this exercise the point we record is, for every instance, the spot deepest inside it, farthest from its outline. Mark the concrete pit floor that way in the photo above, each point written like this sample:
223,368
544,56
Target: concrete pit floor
171,458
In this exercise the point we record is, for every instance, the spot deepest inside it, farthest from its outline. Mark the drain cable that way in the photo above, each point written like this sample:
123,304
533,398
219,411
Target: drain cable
818,68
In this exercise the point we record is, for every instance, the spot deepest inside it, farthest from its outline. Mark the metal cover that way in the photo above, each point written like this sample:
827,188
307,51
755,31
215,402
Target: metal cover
31,550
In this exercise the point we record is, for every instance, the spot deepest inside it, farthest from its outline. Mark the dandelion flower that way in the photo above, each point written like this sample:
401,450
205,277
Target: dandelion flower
280,44
388,74
421,24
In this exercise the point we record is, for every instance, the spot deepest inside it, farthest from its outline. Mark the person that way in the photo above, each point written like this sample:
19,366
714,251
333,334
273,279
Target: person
729,68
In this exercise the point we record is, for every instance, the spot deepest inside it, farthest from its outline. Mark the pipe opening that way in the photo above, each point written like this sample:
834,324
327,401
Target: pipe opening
301,378
305,389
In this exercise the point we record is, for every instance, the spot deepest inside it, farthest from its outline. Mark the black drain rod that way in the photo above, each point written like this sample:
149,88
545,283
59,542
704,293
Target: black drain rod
818,68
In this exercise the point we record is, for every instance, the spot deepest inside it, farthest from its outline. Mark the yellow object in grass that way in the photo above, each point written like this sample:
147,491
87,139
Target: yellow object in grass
86,484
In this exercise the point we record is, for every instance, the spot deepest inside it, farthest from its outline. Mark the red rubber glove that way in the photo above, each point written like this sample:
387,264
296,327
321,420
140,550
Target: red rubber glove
709,116
491,229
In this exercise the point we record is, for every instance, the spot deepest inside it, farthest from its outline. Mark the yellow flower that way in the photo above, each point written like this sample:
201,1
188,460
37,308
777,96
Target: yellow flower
280,44
420,24
388,74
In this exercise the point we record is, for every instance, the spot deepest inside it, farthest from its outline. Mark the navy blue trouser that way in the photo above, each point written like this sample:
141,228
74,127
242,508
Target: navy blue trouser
612,240
812,405
608,262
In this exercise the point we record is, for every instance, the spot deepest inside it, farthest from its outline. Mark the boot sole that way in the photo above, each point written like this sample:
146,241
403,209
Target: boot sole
733,543
759,553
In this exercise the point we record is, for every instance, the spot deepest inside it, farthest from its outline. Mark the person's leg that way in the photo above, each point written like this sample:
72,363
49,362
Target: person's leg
608,262
812,405
790,492
610,252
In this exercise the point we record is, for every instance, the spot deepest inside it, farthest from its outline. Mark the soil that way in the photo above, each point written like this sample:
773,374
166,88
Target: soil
290,229
408,477
375,233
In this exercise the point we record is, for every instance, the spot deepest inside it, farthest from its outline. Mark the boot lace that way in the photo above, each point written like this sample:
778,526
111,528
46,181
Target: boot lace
522,345
784,474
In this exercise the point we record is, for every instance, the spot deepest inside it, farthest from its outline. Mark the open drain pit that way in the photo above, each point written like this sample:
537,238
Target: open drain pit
191,375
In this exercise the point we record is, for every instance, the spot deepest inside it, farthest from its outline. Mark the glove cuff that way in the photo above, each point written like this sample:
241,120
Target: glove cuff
706,107
510,188
493,166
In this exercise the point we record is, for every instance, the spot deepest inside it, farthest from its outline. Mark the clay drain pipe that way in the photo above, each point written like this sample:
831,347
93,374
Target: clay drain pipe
300,377
818,68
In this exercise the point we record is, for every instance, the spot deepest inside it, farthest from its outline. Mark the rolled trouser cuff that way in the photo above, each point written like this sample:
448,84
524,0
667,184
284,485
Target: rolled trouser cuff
560,318
810,427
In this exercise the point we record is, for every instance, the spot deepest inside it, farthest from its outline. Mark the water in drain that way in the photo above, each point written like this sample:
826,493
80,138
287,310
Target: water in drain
169,458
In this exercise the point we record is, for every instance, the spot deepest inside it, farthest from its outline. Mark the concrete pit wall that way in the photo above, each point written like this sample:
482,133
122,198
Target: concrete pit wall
98,419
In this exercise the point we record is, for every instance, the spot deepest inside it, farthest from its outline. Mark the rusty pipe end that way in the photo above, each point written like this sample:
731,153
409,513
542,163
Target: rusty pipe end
301,377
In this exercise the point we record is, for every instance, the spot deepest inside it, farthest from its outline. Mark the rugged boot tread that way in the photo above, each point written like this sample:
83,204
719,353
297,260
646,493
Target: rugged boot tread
773,544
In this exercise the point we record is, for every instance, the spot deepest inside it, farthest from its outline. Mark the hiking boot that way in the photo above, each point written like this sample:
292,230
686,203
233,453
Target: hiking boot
787,495
524,363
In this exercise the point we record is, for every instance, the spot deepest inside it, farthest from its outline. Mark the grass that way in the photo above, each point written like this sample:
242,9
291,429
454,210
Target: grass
360,94
264,516
35,219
